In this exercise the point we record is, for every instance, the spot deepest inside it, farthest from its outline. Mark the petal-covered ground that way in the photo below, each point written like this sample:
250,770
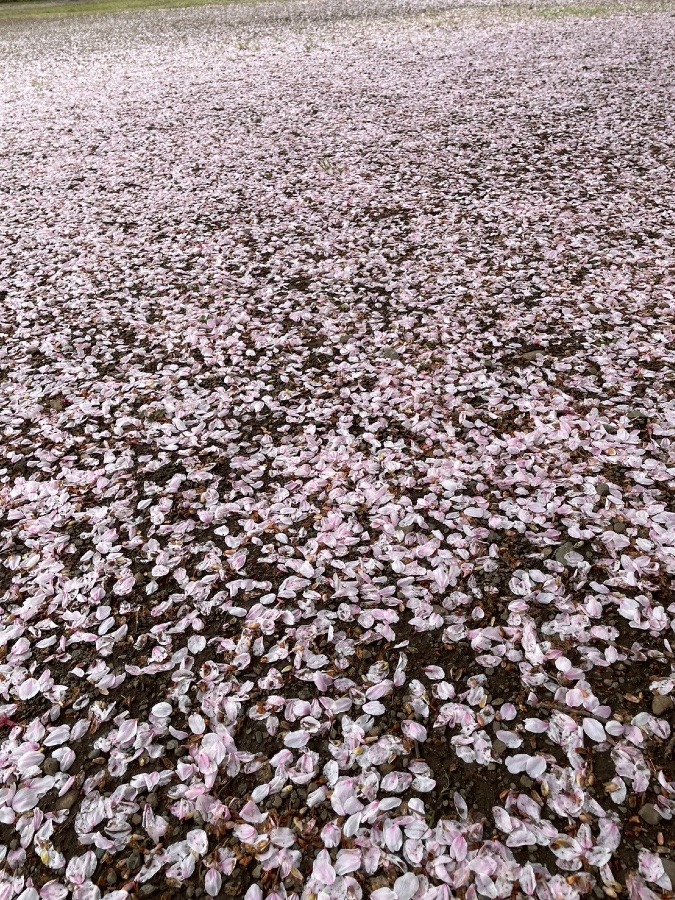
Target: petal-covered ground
337,419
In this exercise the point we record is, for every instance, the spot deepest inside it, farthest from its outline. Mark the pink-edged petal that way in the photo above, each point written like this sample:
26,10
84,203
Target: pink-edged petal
213,882
347,861
413,730
322,869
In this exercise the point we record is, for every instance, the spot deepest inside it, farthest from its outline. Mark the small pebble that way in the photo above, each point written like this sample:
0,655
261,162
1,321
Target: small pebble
661,704
669,867
649,814
67,801
134,861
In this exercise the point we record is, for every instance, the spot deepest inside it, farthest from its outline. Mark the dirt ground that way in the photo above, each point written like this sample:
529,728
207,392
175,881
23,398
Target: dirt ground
337,421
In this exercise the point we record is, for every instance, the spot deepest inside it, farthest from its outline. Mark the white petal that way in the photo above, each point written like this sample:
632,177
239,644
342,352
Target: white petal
594,730
406,886
28,688
24,800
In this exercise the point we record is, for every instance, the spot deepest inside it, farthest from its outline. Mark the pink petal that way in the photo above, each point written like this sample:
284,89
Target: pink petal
347,861
323,870
250,813
413,730
213,883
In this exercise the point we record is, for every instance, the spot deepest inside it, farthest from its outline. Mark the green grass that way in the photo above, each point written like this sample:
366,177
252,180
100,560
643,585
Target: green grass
522,10
32,9
43,8
591,10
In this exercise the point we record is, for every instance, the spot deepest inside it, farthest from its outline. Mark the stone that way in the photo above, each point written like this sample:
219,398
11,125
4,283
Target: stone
649,814
661,704
67,801
602,489
669,868
134,862
562,552
50,766
390,353
498,747
147,890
